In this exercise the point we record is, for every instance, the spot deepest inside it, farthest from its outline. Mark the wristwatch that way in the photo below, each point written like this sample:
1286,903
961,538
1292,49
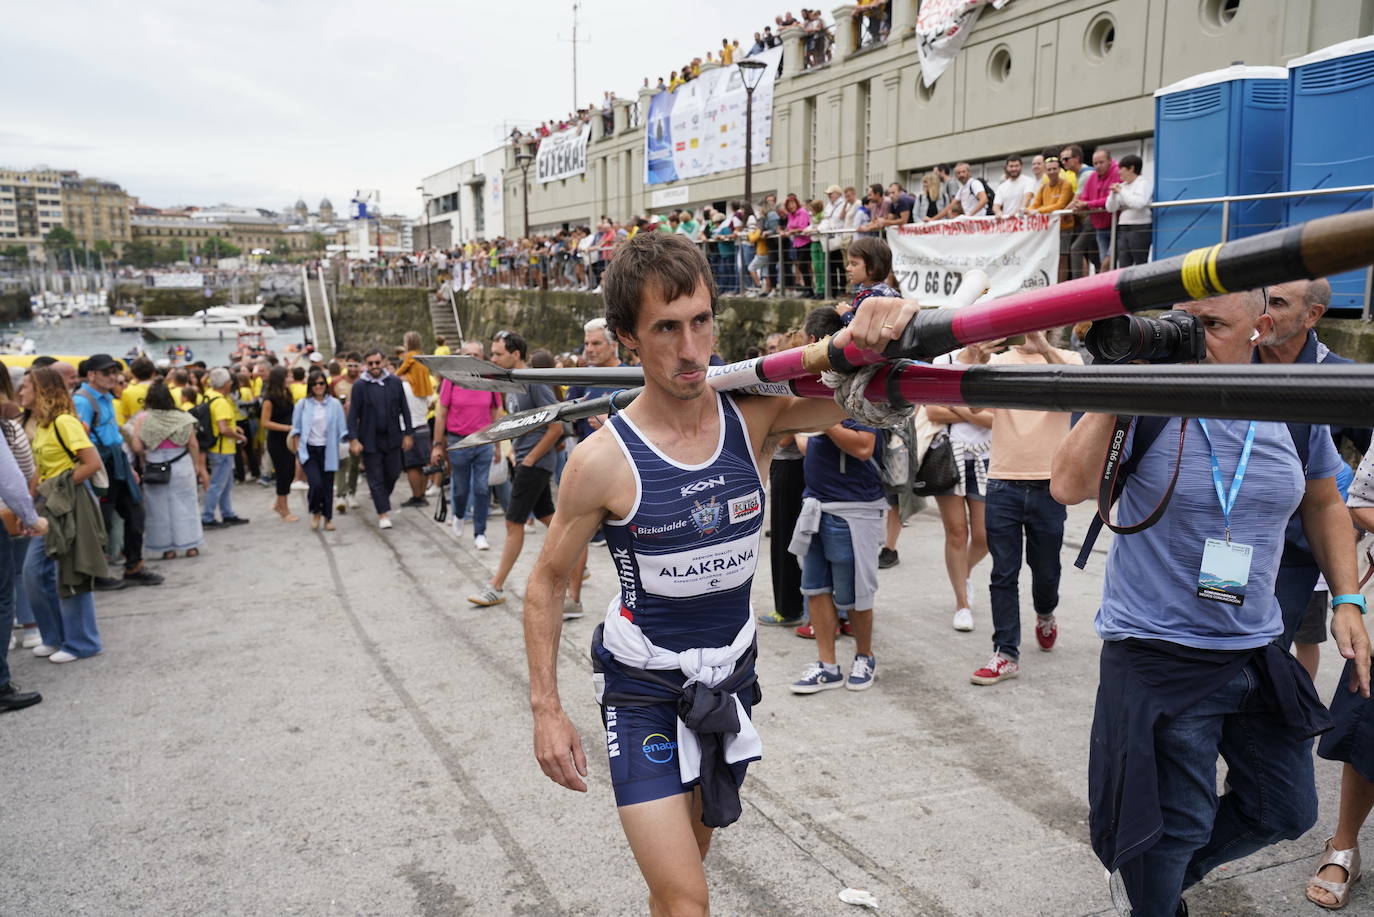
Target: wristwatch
1352,599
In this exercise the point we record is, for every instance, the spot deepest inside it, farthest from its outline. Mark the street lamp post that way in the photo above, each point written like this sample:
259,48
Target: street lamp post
523,160
751,72
424,202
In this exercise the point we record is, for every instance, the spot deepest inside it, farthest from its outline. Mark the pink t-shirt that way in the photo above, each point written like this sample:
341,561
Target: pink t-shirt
468,411
799,219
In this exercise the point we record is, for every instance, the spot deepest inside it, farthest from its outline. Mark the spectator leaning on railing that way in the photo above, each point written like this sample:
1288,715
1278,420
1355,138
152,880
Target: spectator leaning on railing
1092,196
1130,200
1014,193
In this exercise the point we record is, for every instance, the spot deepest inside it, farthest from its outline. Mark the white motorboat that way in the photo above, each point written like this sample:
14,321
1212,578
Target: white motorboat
217,323
126,321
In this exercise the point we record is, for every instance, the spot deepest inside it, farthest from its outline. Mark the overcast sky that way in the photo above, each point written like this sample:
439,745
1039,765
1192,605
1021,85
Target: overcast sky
258,103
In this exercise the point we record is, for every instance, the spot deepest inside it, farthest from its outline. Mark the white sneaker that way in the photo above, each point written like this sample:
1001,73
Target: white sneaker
456,526
42,650
384,523
480,543
963,619
488,596
340,506
431,490
968,590
352,502
572,610
300,485
63,656
32,638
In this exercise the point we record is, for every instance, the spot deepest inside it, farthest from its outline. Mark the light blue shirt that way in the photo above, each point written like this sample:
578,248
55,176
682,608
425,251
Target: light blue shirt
105,433
1151,582
335,428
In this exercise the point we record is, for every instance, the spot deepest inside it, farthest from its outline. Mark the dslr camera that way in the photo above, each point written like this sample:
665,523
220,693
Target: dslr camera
1174,337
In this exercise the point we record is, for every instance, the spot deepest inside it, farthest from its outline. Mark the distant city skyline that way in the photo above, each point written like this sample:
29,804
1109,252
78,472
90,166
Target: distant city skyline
280,101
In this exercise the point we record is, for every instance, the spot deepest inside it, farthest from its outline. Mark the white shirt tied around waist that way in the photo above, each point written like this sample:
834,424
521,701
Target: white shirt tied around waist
708,665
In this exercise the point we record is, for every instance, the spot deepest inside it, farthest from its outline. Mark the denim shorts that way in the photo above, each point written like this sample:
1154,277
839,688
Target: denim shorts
758,263
828,566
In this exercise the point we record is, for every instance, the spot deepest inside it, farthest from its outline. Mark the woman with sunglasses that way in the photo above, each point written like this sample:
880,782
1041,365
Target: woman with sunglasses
277,406
318,429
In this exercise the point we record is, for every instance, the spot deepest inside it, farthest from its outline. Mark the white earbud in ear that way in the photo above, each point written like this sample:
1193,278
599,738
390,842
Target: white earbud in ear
1254,336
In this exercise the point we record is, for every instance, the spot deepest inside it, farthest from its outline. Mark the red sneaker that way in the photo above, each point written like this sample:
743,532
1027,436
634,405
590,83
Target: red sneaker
998,668
1046,631
805,632
845,629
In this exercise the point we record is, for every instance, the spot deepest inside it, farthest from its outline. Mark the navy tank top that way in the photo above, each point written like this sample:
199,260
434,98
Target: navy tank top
685,554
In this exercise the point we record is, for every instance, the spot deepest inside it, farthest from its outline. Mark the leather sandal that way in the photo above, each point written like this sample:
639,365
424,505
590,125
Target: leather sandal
1349,860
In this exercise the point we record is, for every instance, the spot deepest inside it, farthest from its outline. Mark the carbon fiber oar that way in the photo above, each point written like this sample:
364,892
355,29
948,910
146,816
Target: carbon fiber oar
479,375
1330,393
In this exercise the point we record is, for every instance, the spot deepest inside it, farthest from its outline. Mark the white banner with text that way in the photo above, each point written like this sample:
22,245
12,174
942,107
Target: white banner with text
563,155
1017,252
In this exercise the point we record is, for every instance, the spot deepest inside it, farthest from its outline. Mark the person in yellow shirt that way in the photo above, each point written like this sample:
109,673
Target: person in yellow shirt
219,495
1055,194
60,444
297,386
441,348
131,402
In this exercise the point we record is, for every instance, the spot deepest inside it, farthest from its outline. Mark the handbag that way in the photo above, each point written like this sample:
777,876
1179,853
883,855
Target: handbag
499,474
161,472
937,472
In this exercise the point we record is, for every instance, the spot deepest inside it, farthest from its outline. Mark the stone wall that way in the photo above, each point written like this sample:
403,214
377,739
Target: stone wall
15,306
1349,337
553,319
366,317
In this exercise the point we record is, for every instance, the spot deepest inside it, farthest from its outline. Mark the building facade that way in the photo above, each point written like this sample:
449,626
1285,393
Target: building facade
465,202
30,207
1035,74
95,210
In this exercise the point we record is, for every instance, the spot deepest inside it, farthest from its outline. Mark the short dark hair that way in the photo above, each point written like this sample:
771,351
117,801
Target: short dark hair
876,188
513,343
142,368
945,168
374,350
1133,162
541,359
40,362
1074,149
1013,158
822,321
875,255
298,373
669,265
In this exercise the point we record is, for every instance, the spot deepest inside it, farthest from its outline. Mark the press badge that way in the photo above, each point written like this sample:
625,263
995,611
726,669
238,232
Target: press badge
1225,571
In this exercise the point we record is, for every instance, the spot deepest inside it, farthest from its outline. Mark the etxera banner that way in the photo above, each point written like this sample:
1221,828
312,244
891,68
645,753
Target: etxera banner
563,154
699,129
1017,253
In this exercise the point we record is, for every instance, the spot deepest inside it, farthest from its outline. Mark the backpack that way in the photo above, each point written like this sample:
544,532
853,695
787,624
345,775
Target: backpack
991,195
1146,431
207,437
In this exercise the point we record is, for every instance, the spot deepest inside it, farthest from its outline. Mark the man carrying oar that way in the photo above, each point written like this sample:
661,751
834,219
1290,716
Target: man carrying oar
677,481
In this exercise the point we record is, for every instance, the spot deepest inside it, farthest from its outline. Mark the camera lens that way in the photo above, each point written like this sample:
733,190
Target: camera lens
1174,337
1115,340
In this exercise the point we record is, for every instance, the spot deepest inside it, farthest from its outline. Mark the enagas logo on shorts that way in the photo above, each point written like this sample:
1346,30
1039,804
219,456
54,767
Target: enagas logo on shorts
658,748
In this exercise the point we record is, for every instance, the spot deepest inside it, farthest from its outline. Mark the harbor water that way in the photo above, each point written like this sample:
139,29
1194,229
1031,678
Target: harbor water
87,334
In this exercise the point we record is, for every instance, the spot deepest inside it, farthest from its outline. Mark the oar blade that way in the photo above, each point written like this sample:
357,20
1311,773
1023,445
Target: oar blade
471,373
513,425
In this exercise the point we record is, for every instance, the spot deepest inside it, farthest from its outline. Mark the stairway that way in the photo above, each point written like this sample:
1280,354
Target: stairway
441,317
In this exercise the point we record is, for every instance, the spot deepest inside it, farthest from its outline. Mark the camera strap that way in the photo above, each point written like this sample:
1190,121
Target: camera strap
1114,472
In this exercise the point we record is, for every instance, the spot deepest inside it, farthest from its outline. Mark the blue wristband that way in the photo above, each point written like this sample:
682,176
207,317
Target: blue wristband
1353,599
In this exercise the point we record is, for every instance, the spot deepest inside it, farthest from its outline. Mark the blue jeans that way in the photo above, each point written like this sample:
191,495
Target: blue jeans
1271,793
828,567
1104,243
19,549
1016,509
468,472
66,623
220,491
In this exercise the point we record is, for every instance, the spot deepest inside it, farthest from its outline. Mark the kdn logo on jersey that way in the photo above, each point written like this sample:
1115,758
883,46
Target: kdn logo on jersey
697,487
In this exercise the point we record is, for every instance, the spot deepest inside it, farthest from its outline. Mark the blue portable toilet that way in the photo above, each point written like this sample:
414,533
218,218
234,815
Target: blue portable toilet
1217,134
1331,141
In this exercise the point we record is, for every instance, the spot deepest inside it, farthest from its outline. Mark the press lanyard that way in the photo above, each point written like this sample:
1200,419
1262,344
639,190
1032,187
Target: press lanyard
1229,501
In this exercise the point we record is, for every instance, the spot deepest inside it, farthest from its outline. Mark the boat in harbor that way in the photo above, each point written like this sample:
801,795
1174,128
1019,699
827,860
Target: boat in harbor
126,321
217,323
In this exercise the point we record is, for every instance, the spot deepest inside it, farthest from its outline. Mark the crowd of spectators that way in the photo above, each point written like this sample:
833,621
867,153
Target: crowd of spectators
795,246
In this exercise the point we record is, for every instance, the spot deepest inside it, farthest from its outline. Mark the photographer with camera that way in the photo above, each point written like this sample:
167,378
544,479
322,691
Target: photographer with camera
1190,668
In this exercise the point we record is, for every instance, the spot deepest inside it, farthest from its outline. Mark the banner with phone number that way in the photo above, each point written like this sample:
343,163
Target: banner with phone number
1017,252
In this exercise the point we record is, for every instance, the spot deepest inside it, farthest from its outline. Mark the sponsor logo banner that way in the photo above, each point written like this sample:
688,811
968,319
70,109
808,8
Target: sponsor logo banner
699,129
563,154
700,570
1017,253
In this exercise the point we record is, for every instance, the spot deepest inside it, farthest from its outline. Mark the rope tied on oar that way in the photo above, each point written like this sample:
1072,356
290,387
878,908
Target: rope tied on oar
849,395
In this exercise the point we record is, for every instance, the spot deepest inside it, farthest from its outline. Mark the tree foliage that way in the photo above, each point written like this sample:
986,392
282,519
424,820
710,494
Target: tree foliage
215,247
